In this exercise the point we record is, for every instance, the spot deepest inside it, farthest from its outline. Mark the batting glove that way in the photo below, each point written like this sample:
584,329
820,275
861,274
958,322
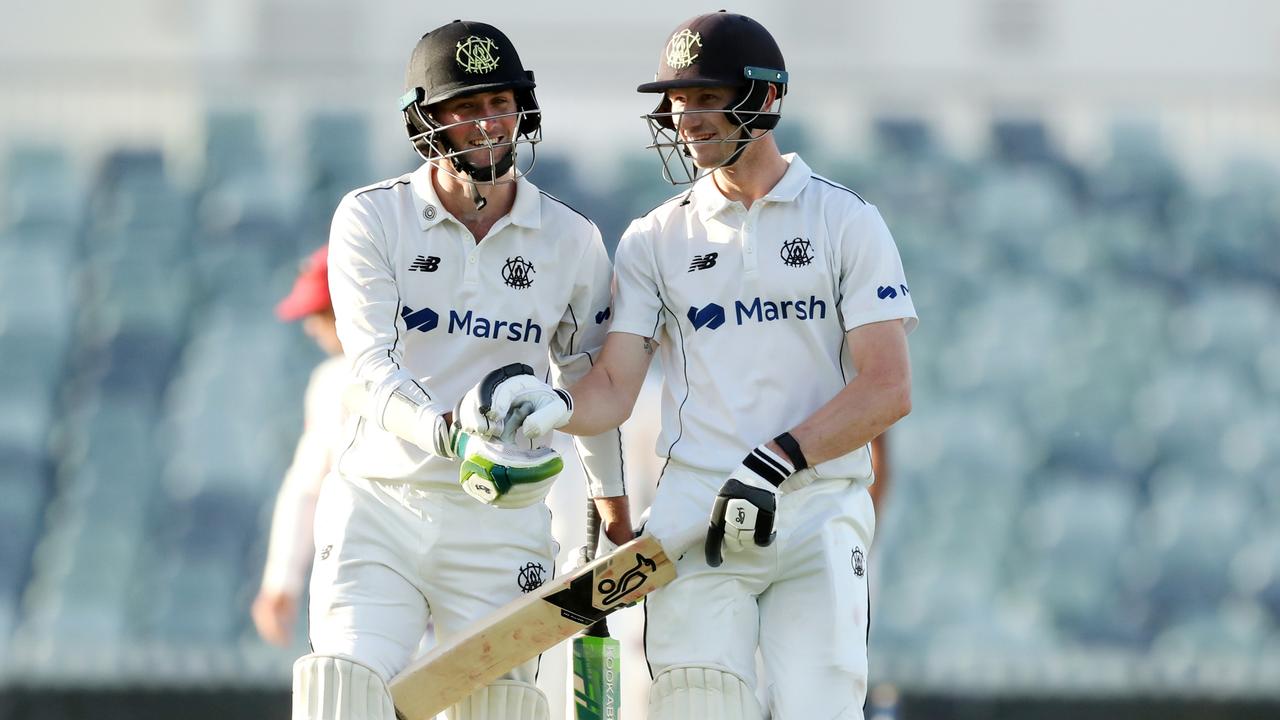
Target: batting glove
483,410
498,474
746,509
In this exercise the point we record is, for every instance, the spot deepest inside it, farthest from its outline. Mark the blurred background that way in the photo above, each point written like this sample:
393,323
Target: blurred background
1085,193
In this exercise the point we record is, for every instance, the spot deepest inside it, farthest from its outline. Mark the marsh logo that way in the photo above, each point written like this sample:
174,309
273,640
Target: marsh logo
889,292
424,320
712,316
473,325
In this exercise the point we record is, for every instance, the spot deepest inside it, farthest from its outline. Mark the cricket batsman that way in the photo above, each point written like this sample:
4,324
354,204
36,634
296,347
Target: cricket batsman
777,302
437,277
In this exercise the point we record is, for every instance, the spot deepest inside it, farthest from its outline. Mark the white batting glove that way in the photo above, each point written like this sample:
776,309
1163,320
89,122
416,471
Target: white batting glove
549,413
484,408
746,509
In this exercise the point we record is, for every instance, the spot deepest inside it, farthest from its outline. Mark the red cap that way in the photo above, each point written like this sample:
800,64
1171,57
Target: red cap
310,293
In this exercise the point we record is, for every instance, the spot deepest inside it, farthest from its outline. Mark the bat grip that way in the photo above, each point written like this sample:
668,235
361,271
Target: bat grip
600,628
593,528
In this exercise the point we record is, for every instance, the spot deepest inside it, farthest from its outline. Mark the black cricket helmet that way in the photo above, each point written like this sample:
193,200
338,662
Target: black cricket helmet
463,58
719,49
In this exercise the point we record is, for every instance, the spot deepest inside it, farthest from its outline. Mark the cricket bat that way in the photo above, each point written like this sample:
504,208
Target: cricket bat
597,658
526,627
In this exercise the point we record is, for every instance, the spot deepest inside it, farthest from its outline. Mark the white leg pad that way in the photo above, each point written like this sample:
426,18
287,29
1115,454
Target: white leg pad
333,687
693,692
503,700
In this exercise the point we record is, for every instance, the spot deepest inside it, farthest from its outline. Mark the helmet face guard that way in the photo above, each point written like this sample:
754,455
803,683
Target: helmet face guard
719,49
745,113
431,142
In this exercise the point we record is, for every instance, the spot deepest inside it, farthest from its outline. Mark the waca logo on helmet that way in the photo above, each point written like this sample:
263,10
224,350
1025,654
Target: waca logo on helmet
476,55
680,51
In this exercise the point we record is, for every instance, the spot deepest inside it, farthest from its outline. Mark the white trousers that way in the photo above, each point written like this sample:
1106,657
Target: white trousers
802,601
391,556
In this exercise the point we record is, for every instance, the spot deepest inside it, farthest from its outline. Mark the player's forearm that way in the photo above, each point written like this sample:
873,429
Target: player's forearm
604,398
865,408
615,518
598,404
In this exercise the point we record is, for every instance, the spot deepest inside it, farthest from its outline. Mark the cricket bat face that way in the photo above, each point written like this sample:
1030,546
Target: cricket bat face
528,626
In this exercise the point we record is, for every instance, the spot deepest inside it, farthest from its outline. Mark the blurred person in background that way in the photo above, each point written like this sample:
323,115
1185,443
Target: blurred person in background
436,276
291,546
778,304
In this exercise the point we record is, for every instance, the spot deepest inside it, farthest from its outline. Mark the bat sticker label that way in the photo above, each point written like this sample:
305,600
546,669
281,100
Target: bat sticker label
630,580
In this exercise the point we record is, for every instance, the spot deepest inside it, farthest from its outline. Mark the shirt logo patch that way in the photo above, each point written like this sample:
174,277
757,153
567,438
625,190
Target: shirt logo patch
424,320
474,325
796,252
758,310
530,577
517,273
702,262
859,562
711,316
425,263
889,292
603,315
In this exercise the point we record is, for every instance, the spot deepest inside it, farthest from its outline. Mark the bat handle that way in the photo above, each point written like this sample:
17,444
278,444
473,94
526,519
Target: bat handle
593,528
600,628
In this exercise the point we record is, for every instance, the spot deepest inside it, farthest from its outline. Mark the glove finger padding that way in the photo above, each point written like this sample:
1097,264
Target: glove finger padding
741,514
548,416
505,476
746,508
482,408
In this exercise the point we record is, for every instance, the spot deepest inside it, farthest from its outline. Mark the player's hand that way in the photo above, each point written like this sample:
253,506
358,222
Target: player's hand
273,614
746,509
483,409
499,474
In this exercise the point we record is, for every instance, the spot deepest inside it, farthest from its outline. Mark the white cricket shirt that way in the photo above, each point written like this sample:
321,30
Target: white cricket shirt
417,297
751,309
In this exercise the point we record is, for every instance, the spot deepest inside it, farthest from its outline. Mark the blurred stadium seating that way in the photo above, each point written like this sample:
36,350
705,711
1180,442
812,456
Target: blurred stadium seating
1087,487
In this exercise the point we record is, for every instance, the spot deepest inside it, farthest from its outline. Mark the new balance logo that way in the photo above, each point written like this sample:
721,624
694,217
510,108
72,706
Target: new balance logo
702,262
425,263
603,315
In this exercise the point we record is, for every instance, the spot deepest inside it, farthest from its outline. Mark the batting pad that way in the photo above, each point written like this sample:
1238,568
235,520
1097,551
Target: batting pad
331,687
503,700
690,692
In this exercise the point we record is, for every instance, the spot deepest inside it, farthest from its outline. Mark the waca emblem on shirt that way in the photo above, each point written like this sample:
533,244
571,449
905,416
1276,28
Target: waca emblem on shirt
517,273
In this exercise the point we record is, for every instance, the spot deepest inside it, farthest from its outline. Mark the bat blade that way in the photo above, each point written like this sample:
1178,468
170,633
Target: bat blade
528,626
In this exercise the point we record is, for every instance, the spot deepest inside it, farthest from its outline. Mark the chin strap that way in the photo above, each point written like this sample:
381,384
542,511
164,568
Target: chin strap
744,140
474,193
